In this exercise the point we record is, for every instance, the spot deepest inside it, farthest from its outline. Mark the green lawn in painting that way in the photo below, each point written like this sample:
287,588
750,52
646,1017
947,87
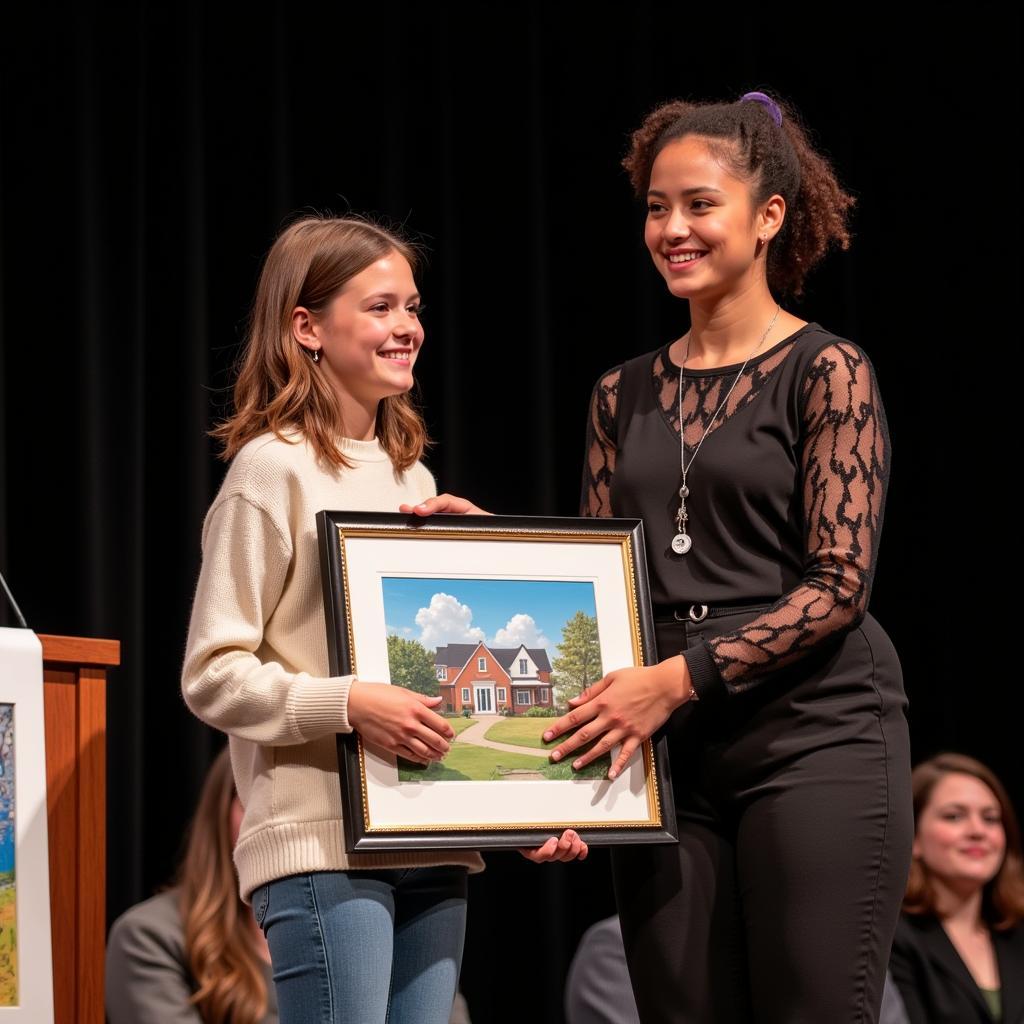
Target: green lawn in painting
8,945
459,722
467,763
521,732
527,732
595,770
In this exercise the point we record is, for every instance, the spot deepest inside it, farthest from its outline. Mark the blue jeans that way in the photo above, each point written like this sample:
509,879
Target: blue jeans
365,947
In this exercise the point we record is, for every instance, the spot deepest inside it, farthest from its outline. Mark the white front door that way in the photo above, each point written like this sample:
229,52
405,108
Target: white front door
483,694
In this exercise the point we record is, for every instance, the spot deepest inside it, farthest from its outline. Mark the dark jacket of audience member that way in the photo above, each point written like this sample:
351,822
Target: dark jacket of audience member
967,865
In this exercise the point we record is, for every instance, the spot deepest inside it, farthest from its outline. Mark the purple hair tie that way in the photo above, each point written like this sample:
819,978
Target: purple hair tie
767,102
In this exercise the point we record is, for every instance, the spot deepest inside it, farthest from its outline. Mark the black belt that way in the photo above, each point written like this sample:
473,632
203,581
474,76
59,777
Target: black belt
700,612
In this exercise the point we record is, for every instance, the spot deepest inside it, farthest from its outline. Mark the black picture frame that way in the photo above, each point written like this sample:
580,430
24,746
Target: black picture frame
347,549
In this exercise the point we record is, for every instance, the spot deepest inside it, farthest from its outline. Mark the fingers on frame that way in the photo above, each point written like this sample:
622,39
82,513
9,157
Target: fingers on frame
421,749
410,755
583,736
624,755
573,850
592,691
432,741
574,742
576,717
599,749
433,721
552,851
543,852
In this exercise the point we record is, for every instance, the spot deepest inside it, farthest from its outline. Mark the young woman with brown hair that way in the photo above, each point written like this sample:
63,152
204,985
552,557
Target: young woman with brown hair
323,420
958,955
754,447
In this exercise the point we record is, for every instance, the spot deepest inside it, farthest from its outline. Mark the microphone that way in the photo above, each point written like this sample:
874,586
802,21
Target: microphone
14,604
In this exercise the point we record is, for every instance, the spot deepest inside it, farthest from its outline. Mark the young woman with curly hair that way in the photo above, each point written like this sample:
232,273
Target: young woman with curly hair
754,447
958,955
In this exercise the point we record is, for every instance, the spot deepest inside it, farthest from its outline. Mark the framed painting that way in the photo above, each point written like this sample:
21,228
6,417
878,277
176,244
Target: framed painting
506,619
26,972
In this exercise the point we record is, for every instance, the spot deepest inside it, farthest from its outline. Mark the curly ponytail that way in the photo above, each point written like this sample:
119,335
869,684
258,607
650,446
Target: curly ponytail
776,160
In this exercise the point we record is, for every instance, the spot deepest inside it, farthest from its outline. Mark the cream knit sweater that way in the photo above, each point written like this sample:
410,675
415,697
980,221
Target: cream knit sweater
256,658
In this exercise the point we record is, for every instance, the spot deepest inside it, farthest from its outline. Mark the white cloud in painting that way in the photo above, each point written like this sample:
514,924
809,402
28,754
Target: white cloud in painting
521,629
447,621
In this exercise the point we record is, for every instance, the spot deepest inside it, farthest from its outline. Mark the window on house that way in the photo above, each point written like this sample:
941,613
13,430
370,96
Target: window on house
523,697
522,666
542,695
501,693
465,695
481,664
442,672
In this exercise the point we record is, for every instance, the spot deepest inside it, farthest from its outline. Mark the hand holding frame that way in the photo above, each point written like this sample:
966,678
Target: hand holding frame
626,707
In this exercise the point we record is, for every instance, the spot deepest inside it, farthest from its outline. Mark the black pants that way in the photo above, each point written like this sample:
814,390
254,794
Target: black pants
780,901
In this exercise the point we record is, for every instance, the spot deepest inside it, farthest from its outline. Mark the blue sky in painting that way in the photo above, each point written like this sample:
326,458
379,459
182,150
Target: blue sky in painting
504,613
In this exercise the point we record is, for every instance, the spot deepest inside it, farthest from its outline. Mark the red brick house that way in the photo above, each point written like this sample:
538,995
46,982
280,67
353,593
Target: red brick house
487,680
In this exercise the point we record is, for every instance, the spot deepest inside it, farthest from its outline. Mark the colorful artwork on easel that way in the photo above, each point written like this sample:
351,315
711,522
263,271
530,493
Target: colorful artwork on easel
8,914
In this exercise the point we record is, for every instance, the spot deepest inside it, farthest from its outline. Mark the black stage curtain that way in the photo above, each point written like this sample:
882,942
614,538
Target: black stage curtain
150,152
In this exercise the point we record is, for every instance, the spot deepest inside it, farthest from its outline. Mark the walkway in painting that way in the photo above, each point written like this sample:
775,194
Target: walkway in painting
475,735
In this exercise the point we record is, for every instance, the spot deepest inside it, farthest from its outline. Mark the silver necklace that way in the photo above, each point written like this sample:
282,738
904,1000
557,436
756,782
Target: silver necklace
682,542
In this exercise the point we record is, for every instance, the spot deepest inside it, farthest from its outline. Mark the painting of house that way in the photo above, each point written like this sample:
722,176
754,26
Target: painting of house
493,680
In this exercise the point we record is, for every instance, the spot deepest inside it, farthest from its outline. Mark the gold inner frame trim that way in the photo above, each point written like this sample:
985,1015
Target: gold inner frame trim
439,531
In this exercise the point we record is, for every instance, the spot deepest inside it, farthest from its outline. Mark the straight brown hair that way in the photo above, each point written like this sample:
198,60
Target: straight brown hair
278,388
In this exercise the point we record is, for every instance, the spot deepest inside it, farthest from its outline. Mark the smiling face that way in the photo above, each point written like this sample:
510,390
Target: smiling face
702,229
960,837
369,334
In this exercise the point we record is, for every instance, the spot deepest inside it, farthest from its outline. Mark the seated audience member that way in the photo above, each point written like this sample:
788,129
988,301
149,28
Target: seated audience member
193,954
958,955
597,990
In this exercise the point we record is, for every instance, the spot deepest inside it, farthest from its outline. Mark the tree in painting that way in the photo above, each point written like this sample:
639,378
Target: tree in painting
579,661
412,666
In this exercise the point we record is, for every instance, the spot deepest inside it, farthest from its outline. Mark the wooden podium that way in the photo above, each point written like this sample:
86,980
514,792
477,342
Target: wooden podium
75,715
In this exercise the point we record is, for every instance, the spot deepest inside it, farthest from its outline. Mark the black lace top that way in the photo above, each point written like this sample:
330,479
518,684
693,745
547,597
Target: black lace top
786,494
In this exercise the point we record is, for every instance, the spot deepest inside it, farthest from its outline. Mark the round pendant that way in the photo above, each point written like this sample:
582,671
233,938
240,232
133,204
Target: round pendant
684,491
681,543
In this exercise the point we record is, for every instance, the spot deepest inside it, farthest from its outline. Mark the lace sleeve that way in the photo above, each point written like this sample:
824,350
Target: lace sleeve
845,458
599,461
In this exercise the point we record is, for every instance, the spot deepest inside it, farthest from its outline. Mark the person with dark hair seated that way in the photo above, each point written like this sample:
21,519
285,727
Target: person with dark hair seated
958,955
